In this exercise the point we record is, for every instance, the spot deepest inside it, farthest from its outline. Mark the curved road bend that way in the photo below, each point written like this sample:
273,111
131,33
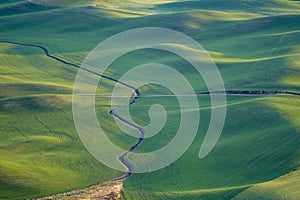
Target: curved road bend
137,96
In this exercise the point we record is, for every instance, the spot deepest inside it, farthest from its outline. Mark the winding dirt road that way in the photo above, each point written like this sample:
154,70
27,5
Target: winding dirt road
137,95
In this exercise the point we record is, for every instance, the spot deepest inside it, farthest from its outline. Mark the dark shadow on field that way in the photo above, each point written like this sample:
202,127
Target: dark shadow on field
23,7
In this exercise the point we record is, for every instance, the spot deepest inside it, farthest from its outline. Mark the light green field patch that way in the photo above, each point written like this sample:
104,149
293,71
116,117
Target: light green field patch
62,3
293,78
130,8
289,107
284,187
222,16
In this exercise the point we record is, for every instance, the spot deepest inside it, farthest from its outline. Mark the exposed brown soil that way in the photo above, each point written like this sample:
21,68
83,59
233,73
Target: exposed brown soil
103,191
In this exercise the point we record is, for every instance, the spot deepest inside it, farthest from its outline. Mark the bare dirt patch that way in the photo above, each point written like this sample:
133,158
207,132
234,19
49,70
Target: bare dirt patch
103,191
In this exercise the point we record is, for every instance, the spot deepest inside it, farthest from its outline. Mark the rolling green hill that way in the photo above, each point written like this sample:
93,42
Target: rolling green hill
255,45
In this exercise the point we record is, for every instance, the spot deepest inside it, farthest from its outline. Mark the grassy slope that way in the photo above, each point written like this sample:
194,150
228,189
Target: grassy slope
284,187
257,145
268,61
40,150
287,186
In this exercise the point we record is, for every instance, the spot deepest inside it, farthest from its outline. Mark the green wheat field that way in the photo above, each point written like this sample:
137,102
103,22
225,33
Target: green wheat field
255,45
